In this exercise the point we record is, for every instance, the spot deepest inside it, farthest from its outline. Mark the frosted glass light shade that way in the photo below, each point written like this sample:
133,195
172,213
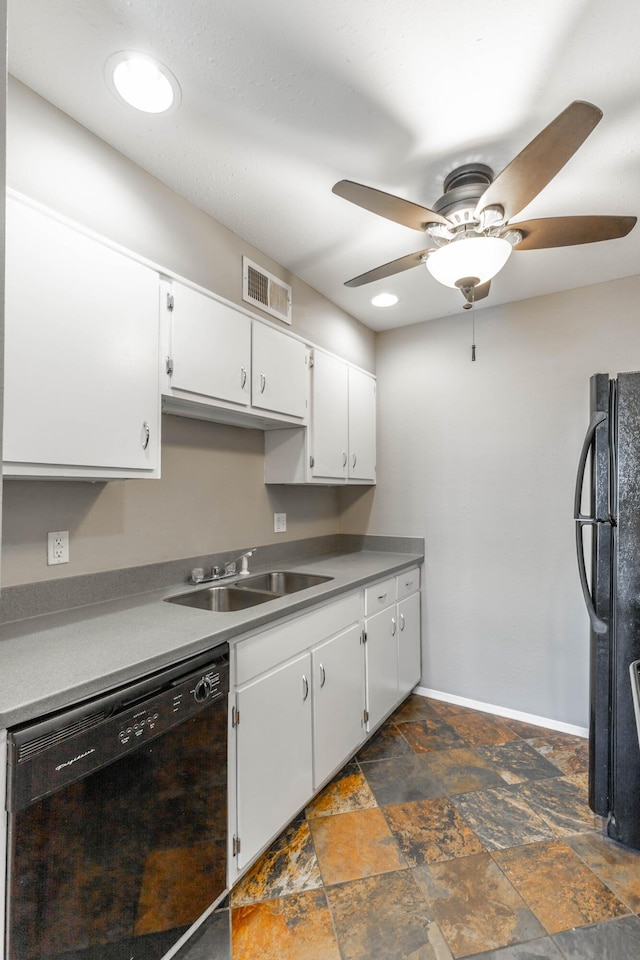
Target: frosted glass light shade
481,257
142,82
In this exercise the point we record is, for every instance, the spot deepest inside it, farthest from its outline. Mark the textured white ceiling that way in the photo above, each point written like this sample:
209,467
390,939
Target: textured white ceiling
281,99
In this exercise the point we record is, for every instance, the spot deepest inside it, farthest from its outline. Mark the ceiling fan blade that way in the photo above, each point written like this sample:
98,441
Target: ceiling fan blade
387,205
533,168
566,231
389,269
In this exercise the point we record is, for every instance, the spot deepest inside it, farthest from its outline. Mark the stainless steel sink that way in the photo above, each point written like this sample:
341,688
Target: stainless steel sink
221,599
281,582
248,592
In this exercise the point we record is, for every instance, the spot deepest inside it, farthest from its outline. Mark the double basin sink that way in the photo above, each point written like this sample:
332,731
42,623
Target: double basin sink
248,592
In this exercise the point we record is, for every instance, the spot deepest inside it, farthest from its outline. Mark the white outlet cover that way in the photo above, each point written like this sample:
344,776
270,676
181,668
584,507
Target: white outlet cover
279,522
58,547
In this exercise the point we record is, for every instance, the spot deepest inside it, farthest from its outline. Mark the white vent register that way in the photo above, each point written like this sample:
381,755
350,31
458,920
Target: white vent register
265,291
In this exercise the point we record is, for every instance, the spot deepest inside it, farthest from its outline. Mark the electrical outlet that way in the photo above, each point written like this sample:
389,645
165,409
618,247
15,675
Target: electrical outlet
58,547
279,522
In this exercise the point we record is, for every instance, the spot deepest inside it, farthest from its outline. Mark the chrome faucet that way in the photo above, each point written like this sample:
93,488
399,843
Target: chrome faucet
229,569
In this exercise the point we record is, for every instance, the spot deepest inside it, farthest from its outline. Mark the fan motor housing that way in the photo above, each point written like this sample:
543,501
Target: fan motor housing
463,187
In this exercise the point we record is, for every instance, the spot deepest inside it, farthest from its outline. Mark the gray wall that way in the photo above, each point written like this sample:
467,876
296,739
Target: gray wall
3,114
480,459
211,497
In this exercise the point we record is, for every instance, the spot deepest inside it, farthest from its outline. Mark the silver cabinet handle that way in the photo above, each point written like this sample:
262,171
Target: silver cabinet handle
263,382
393,626
381,596
243,377
146,435
344,458
323,676
305,688
353,459
408,584
401,622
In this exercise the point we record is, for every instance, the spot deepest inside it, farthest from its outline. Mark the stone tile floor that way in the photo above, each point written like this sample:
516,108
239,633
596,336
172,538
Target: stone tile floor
452,834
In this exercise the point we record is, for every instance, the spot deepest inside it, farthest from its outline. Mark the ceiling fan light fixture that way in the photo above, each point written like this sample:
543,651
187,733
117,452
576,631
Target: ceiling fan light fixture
481,257
142,82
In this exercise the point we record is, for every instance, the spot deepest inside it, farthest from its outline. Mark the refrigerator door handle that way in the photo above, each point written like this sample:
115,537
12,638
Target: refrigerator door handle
598,418
597,625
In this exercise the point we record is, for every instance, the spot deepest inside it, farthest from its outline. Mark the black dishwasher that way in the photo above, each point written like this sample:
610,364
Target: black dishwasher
118,818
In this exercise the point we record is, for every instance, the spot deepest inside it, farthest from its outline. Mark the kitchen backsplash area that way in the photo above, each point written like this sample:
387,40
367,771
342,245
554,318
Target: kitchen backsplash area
34,599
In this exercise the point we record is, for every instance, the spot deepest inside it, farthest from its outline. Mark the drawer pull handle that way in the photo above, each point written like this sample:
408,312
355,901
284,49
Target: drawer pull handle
354,459
305,688
408,584
344,458
146,435
381,596
393,626
263,382
401,622
243,377
323,676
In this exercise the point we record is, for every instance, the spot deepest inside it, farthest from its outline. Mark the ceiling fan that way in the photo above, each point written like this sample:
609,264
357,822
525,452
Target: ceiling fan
470,229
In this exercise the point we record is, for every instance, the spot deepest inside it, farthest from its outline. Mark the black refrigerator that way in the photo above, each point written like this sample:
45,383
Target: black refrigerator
610,508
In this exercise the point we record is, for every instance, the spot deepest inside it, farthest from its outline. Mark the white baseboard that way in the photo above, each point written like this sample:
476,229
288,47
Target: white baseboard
504,712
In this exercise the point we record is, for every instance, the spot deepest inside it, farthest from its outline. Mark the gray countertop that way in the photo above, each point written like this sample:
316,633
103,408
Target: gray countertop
50,662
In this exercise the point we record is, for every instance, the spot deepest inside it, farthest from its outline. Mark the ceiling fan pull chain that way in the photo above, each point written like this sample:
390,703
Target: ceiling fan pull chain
473,330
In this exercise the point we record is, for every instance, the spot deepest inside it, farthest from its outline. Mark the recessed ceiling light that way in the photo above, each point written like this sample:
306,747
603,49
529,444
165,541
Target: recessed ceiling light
384,300
142,82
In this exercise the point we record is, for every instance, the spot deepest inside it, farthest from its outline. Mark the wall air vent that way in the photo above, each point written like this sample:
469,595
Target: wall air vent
265,291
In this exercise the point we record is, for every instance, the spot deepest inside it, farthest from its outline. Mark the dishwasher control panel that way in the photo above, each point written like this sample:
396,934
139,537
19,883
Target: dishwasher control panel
66,747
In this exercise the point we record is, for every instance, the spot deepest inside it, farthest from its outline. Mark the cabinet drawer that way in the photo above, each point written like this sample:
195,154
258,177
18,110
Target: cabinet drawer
408,582
265,650
379,596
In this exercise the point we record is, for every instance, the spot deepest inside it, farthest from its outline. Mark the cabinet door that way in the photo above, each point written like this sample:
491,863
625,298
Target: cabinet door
409,669
329,412
338,701
210,346
382,663
279,380
81,352
362,426
274,775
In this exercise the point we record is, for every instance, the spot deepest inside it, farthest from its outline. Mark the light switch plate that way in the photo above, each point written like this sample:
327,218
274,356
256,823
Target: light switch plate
279,522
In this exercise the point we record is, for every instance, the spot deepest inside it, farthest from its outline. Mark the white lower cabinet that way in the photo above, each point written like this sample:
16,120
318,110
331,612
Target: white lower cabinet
409,666
382,664
274,763
299,704
392,630
338,701
299,698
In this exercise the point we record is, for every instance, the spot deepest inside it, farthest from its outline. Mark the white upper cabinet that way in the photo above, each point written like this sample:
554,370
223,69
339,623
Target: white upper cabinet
226,366
330,417
362,426
339,445
209,346
81,354
280,372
